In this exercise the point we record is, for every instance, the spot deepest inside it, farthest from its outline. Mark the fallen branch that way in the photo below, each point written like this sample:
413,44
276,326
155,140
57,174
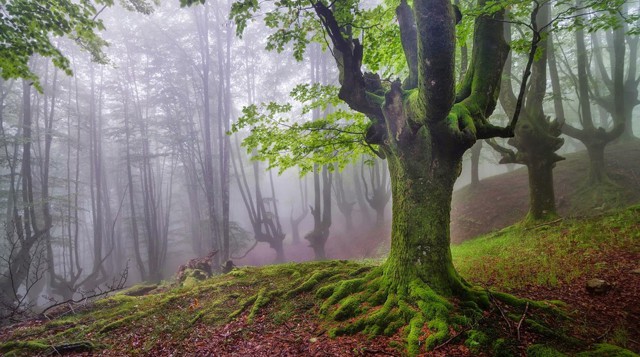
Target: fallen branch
452,338
501,312
72,347
524,314
544,224
114,286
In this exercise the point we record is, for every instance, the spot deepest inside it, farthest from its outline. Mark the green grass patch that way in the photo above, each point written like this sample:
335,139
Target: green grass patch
547,254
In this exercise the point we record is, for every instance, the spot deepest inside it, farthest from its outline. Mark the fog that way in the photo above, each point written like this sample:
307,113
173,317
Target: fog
133,170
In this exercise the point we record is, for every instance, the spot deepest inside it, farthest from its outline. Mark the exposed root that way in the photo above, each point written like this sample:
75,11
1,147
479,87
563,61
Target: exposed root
374,305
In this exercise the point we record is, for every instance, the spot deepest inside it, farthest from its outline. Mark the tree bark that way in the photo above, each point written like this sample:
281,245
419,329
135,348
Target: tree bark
422,179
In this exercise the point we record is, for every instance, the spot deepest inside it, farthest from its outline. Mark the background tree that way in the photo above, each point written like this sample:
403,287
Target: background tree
536,136
380,189
594,138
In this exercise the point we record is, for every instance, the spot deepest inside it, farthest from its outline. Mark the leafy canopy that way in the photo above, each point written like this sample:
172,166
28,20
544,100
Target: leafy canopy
278,131
31,27
284,142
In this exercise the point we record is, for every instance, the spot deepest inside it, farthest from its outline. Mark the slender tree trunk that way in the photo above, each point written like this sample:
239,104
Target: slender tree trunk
135,233
475,163
208,176
360,197
296,220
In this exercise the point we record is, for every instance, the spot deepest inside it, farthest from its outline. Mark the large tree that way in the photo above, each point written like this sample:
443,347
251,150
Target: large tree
422,126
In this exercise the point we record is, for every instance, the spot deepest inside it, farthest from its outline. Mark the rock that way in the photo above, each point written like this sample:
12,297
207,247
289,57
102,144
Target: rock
597,287
191,277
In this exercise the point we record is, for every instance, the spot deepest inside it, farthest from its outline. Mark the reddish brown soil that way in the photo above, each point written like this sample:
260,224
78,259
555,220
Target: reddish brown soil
502,200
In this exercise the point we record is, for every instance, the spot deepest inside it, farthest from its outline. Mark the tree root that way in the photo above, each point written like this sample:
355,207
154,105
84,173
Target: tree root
374,305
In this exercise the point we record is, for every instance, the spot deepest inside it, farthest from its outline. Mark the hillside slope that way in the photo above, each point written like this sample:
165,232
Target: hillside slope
502,200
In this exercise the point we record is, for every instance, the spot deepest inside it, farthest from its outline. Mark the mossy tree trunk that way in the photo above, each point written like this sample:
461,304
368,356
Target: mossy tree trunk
422,126
422,178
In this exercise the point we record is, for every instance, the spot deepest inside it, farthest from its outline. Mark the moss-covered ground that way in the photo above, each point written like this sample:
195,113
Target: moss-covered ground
284,309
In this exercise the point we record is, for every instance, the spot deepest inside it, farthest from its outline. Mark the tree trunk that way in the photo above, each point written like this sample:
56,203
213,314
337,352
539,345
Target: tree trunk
321,213
422,188
295,221
475,163
597,171
541,194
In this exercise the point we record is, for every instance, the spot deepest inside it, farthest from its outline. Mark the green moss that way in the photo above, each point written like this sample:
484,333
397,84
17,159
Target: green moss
193,277
414,335
439,328
606,350
543,351
138,290
283,313
342,290
238,273
325,291
23,348
476,340
116,324
310,283
262,298
512,258
504,348
348,308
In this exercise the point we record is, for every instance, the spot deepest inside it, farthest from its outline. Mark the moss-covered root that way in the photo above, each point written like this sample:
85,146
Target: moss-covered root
260,299
20,348
374,305
29,348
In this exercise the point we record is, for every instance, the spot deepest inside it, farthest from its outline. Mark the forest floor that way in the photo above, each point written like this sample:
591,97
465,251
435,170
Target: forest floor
273,311
263,311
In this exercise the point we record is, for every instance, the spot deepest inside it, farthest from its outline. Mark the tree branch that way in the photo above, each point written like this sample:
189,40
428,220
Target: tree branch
348,56
436,58
409,39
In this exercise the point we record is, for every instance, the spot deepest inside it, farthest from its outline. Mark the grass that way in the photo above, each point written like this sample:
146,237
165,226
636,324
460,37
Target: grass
548,254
